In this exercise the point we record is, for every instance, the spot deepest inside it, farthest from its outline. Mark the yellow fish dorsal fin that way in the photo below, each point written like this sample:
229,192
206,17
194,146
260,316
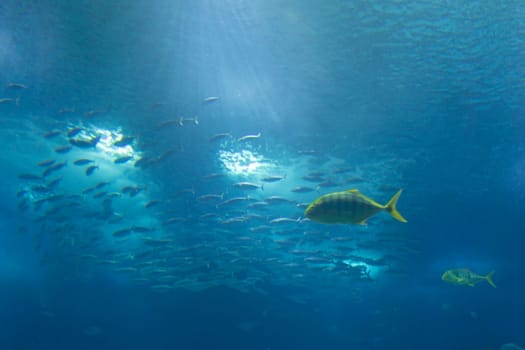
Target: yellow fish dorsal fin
368,200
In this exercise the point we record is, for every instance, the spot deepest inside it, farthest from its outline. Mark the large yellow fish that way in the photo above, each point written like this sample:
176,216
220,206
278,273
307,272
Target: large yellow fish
466,277
349,207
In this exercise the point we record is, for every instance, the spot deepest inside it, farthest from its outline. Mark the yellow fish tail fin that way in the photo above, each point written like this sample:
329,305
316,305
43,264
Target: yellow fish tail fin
489,279
391,207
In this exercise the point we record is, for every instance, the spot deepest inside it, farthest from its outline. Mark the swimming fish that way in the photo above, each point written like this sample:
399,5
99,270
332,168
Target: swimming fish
46,162
220,136
302,189
63,149
52,133
90,169
54,167
273,178
10,100
132,191
466,277
74,131
83,161
124,141
210,99
249,137
54,182
123,159
16,86
101,184
349,207
248,186
209,197
83,143
195,120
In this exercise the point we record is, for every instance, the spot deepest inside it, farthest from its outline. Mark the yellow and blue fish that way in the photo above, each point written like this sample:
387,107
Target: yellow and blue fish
349,207
466,277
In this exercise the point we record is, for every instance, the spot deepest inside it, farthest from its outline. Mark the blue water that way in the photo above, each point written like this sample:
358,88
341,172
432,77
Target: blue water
373,95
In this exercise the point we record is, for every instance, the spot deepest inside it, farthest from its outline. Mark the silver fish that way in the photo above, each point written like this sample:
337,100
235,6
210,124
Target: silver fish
248,186
249,137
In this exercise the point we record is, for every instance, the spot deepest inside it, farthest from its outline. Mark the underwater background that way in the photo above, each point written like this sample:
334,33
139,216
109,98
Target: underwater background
158,156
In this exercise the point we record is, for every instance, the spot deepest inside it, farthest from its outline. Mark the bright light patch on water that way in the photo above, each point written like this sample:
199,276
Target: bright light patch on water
241,163
370,270
106,144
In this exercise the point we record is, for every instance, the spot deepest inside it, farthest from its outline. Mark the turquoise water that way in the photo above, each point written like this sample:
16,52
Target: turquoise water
158,158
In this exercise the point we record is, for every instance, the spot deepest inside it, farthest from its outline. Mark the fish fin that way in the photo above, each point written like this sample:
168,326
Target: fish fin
391,207
353,190
489,279
362,222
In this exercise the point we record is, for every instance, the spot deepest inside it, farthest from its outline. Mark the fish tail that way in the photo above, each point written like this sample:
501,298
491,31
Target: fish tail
489,279
391,207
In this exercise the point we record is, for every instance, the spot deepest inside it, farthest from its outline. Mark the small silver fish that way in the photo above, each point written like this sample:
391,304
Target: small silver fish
220,136
83,161
101,184
52,133
90,169
210,99
195,120
74,131
123,141
211,196
249,137
273,178
284,220
152,203
10,100
302,189
46,162
16,86
63,149
248,186
122,160
81,143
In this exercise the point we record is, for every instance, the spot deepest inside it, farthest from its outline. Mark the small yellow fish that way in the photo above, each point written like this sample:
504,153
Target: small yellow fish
466,277
349,207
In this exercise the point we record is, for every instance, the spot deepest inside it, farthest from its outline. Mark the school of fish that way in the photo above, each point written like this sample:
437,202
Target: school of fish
92,197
